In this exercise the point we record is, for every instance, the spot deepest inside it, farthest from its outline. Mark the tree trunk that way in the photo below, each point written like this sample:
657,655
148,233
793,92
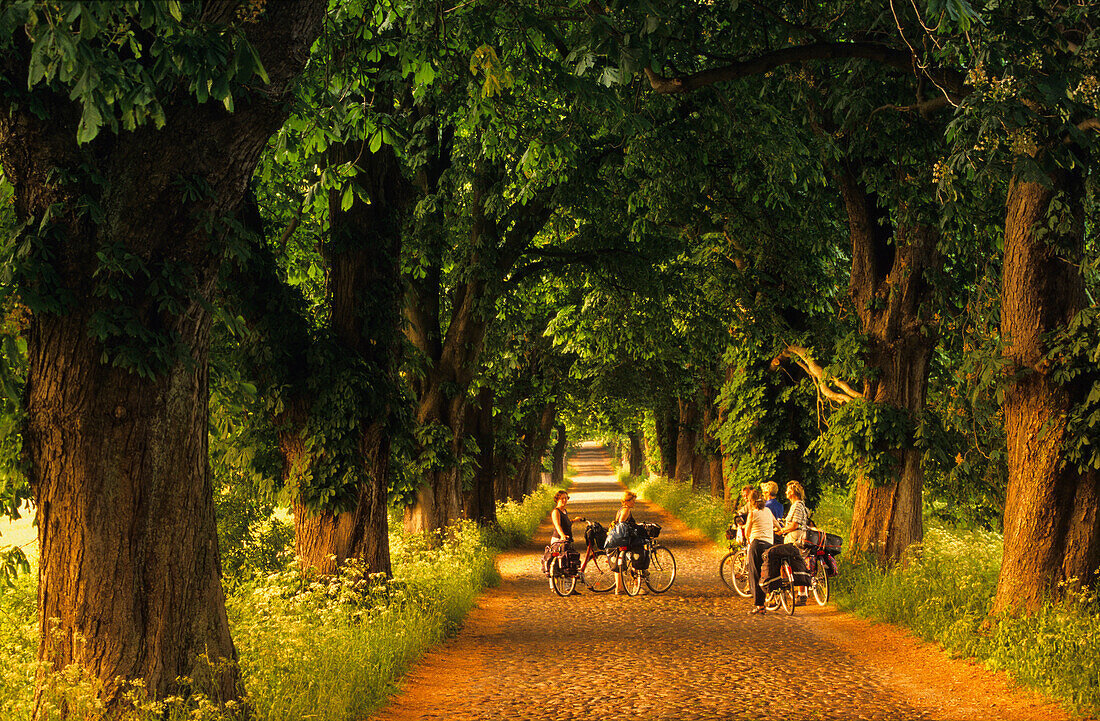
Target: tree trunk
667,431
636,460
1051,524
129,576
439,498
686,435
535,441
480,504
364,294
557,477
129,582
890,295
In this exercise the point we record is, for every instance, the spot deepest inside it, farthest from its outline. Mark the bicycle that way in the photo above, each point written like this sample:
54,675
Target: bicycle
822,550
733,568
600,579
661,572
783,593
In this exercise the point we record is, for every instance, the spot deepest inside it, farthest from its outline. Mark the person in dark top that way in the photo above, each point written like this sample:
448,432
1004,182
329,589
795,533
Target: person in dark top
563,526
771,490
625,515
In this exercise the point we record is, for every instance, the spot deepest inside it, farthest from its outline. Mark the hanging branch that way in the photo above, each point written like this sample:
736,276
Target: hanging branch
842,393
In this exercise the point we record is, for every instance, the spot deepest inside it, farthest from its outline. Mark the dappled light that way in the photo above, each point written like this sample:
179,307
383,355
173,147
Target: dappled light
330,328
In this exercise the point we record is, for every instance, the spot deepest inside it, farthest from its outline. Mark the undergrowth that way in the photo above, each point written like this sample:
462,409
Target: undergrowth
328,649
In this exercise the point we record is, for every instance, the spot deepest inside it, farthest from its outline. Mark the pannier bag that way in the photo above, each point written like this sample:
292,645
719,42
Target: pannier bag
639,557
570,559
772,563
829,542
595,535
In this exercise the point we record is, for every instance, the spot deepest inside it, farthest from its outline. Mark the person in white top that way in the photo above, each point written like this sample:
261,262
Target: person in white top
760,528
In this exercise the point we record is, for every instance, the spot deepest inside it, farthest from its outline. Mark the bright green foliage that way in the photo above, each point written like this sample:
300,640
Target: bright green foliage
701,511
862,439
753,430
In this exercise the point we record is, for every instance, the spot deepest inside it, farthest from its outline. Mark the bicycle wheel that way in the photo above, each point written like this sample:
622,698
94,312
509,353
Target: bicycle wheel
662,570
562,585
735,573
632,579
598,577
821,584
786,590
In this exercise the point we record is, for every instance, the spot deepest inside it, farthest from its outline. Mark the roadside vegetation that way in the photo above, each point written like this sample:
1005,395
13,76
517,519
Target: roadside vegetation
309,646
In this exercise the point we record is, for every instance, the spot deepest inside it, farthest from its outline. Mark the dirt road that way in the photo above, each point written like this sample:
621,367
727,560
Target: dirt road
692,653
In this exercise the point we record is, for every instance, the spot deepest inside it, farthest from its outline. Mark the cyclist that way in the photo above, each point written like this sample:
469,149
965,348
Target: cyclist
625,515
760,528
771,490
795,525
563,529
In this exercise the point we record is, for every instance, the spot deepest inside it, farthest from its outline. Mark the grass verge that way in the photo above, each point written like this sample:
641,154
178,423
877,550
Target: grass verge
325,649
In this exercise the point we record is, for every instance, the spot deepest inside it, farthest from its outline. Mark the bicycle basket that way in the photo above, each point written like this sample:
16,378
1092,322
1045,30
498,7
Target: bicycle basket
651,530
731,533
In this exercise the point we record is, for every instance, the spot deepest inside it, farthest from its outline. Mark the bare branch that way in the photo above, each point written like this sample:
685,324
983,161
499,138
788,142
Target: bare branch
821,378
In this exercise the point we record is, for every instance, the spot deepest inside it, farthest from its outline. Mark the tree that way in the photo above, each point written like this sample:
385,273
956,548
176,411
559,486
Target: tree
127,175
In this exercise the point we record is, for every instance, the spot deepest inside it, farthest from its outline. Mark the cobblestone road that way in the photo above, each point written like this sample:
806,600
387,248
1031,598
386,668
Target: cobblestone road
692,653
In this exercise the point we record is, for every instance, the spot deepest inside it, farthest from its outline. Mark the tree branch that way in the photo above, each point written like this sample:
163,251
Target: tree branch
876,52
820,377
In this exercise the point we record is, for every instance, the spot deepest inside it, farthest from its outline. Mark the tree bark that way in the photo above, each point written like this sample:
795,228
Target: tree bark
687,434
890,294
557,477
667,431
364,298
636,461
129,574
1051,523
712,460
480,502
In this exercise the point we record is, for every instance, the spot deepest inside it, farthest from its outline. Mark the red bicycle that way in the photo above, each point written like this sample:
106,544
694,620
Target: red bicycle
566,569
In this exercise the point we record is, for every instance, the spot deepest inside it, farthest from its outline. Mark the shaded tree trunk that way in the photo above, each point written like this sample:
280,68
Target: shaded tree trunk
712,460
364,294
890,295
636,460
1051,522
686,436
129,581
557,476
480,501
535,441
667,431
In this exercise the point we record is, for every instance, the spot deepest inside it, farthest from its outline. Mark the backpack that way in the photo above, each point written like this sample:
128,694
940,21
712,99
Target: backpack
619,535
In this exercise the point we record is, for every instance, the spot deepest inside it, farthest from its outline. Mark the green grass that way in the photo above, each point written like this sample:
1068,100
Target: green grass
323,649
701,511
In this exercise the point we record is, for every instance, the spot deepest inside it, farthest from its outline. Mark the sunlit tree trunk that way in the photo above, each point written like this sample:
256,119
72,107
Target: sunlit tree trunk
1051,523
